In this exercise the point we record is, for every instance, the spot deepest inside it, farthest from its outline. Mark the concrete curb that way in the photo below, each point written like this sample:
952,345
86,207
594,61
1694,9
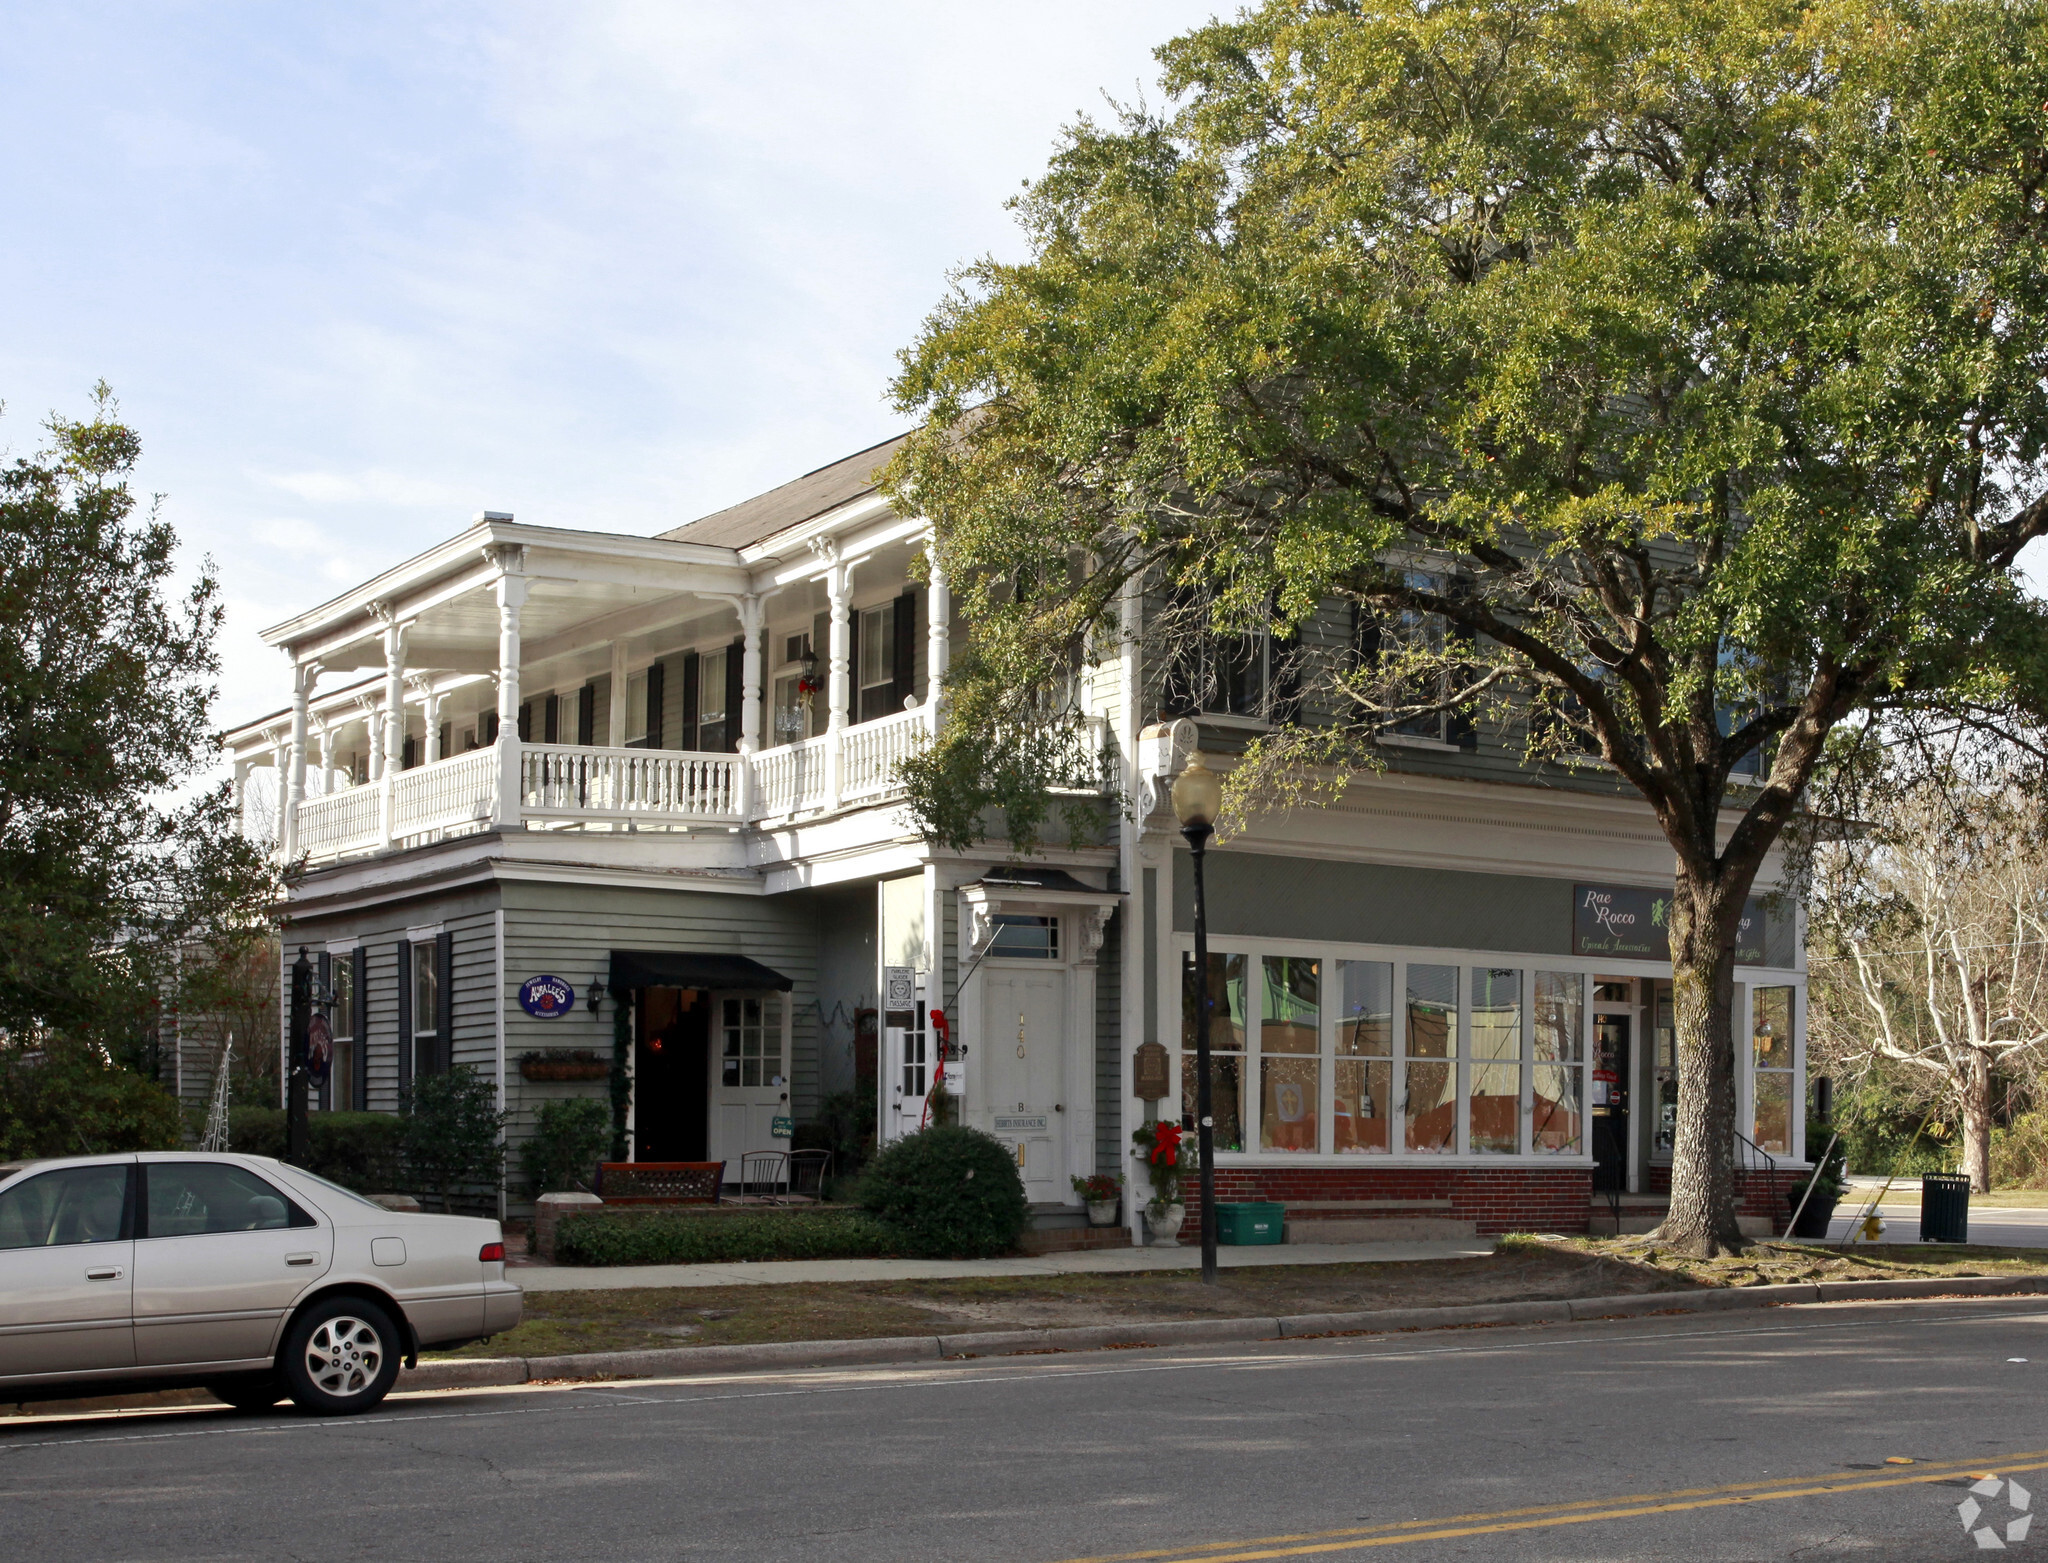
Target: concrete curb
681,1360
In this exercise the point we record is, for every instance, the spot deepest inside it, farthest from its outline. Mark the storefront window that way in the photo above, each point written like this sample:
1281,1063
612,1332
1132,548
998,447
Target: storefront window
1771,1050
1226,991
1364,1084
1664,1039
1431,1086
1290,1054
1557,1110
1496,1086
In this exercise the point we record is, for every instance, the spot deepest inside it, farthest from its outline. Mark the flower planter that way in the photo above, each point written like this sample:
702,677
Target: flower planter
1164,1227
1102,1212
563,1069
1813,1220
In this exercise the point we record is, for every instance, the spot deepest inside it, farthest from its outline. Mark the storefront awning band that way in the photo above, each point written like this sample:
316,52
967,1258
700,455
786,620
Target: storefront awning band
691,969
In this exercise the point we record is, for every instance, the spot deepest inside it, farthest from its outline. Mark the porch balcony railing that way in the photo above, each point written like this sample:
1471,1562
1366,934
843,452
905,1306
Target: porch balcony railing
568,786
565,782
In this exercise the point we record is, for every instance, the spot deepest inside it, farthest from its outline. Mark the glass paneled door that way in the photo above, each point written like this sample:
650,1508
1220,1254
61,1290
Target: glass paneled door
1613,1054
750,1077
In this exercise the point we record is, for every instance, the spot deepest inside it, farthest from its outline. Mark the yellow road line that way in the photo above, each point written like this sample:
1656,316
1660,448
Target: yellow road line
1583,1511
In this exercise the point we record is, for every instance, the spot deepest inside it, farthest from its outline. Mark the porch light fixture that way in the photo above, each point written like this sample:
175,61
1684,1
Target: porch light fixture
594,994
1197,800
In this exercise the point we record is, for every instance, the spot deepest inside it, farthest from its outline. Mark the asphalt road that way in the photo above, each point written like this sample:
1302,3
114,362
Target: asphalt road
1988,1224
1739,1437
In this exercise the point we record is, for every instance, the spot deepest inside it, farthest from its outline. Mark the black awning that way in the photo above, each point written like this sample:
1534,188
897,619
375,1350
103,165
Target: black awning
690,969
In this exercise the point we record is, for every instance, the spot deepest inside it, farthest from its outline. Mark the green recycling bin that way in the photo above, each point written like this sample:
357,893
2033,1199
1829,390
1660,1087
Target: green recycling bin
1944,1208
1249,1222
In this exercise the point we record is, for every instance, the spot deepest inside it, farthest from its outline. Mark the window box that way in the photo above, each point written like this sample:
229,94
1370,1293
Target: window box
557,1065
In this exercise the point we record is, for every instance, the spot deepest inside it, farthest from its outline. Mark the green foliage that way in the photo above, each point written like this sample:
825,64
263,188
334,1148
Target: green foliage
2019,1153
1162,1164
845,1126
1883,1132
69,1099
1828,1178
360,1151
949,1193
105,680
671,1237
570,1137
453,1132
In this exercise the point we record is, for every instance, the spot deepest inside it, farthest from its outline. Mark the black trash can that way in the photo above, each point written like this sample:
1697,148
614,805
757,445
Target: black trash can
1944,1208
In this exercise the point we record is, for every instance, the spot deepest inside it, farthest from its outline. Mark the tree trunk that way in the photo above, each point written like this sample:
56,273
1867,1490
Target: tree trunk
1702,1219
1977,1122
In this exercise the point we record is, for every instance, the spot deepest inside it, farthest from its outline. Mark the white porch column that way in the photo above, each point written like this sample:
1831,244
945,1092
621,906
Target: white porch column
325,731
431,704
753,615
241,794
839,594
511,591
281,765
373,725
394,721
615,732
304,675
938,613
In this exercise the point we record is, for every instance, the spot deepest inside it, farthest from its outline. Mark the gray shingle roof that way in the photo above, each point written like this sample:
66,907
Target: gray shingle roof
751,520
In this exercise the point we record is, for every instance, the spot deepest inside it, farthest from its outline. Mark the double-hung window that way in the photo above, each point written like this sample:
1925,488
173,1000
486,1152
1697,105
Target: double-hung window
341,1077
877,671
425,978
711,712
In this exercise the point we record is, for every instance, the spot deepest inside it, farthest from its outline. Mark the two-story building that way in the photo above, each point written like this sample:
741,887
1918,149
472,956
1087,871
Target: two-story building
662,773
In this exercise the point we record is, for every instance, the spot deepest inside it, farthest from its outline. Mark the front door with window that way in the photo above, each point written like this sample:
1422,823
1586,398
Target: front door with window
750,1076
1021,1072
1612,1056
672,1075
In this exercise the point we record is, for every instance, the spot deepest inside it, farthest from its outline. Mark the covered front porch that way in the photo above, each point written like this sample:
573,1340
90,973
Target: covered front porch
532,678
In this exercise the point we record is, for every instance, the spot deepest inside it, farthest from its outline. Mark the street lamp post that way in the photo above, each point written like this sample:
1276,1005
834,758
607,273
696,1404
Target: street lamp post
1197,800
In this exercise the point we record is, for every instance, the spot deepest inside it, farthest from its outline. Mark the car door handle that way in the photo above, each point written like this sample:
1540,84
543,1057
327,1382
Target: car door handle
301,1259
104,1273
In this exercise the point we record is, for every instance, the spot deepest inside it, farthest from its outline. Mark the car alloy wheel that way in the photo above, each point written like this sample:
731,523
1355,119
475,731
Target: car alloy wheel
344,1356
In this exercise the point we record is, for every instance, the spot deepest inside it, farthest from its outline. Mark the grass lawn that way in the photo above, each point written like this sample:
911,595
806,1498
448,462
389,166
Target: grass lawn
1522,1269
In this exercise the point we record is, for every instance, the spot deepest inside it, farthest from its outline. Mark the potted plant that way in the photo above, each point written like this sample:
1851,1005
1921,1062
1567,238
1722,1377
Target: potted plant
1100,1192
1827,1183
1161,1144
562,1063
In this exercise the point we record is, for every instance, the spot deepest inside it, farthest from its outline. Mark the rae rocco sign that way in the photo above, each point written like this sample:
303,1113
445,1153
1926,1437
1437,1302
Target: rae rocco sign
1631,921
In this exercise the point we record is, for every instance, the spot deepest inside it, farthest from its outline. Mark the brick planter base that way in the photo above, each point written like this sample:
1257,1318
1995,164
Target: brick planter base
1493,1199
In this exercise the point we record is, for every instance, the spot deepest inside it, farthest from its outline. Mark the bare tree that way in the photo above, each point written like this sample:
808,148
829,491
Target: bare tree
1930,940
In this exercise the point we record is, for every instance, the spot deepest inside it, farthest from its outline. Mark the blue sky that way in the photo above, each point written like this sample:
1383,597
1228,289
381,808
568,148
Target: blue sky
357,272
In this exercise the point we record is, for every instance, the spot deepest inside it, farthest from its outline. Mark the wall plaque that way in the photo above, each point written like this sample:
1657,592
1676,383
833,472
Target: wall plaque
1151,1073
1019,1123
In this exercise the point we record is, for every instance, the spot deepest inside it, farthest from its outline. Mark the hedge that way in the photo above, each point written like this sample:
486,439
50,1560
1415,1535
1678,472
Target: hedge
361,1151
670,1237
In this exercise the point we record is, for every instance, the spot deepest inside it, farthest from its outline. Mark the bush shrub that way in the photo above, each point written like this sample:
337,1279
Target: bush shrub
949,1192
361,1151
69,1099
454,1134
569,1139
670,1237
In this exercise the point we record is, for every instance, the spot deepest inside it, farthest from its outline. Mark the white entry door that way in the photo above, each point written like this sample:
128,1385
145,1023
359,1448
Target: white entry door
749,1076
1022,1066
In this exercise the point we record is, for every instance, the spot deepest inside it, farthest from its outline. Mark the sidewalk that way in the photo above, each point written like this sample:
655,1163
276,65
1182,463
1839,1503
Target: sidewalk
579,1278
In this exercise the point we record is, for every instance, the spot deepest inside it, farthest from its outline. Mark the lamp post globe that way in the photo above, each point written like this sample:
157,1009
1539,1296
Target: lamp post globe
1197,800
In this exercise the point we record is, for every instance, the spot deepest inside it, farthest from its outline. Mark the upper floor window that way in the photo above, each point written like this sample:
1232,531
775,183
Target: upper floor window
711,702
1414,647
878,672
1223,675
796,691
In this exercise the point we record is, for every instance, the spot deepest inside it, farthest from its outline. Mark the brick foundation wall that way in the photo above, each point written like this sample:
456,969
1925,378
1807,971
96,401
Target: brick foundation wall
1758,1190
1493,1199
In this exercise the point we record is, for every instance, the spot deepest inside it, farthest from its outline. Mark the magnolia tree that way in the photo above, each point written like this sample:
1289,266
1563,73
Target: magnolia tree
1929,943
1658,380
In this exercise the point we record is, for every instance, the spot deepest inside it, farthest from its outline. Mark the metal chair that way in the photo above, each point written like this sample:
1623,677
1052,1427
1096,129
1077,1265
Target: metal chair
770,1169
809,1172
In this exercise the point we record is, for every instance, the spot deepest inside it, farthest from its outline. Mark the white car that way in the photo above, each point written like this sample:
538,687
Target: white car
252,1278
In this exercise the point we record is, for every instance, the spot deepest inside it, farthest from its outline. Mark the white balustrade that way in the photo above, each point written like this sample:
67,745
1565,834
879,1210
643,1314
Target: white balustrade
873,750
340,823
445,795
563,781
790,778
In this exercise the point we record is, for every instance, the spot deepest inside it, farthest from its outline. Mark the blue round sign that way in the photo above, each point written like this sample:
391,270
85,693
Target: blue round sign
547,997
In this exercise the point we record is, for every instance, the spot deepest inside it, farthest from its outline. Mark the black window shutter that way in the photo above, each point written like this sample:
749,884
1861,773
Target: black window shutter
444,994
735,669
1283,673
905,650
526,721
447,746
687,738
323,973
586,715
550,721
360,964
404,1018
853,711
657,691
490,727
1458,725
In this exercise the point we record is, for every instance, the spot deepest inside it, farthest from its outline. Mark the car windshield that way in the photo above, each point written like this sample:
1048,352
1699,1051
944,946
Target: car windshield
350,1194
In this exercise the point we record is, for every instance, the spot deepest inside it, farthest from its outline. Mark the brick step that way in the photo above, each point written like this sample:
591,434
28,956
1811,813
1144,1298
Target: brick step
1067,1240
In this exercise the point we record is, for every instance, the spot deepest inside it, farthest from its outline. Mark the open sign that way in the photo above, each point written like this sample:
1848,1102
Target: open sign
546,997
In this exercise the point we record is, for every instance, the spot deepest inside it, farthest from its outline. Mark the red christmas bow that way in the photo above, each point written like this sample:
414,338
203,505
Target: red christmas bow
1166,1142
